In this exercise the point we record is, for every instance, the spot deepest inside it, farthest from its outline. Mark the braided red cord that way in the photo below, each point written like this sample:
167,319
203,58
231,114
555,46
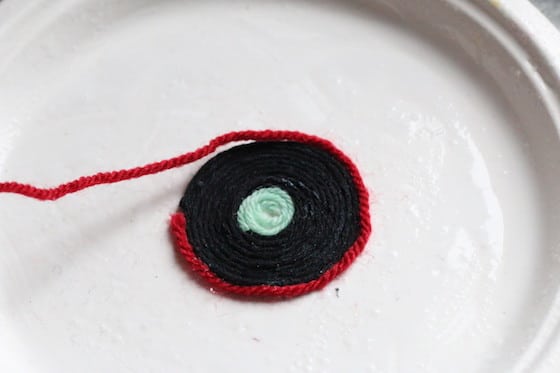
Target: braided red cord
178,221
84,182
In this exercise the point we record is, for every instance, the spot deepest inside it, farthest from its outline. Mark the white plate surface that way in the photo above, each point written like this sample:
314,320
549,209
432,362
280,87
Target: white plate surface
449,108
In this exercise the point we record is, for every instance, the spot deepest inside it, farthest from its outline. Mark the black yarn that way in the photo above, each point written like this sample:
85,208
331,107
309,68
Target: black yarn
324,226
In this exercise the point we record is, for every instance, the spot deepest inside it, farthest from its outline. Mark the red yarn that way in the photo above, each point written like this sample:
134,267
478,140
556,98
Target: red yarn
178,221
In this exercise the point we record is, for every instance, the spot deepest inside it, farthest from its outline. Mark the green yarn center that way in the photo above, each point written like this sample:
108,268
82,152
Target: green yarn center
267,211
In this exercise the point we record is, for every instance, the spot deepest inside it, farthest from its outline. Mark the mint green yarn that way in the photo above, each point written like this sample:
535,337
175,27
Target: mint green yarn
267,211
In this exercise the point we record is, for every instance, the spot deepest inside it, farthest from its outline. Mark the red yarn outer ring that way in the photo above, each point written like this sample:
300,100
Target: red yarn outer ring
179,223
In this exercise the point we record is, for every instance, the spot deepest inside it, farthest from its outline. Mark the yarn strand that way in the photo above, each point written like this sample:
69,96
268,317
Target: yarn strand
111,177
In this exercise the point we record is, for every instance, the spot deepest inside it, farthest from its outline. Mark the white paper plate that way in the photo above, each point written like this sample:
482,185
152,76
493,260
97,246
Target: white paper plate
450,109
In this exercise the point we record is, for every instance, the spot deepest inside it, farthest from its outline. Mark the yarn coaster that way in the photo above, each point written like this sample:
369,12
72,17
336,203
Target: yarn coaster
280,216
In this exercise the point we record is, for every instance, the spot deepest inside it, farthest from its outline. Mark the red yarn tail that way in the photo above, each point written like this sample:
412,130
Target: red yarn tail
84,182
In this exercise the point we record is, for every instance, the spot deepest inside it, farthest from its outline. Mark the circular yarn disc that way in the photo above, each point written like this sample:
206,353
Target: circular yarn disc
281,216
275,217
